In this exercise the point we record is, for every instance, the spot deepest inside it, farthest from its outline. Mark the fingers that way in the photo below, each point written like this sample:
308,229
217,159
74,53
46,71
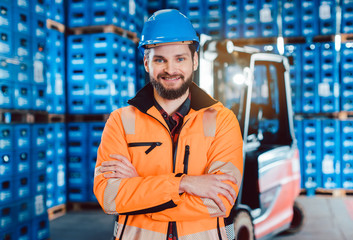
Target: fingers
227,177
121,167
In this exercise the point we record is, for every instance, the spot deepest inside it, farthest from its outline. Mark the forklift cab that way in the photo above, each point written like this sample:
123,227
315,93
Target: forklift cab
256,87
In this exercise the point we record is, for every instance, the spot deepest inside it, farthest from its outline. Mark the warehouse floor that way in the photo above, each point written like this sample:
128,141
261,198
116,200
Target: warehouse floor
327,218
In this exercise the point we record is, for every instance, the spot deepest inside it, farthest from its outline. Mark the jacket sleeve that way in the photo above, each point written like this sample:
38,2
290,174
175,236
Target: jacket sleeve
138,195
224,156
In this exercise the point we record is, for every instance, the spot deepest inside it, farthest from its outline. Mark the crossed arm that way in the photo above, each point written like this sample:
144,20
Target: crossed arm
205,186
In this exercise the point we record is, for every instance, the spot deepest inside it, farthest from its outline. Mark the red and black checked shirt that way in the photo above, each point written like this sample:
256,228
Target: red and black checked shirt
174,122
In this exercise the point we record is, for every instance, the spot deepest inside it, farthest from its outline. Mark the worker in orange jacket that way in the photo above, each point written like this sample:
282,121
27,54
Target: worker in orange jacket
170,164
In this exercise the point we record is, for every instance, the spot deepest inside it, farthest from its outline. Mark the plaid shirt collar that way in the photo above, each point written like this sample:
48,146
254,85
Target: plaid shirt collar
175,120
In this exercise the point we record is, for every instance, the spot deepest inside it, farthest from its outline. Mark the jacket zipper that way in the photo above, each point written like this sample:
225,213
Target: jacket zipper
143,144
186,158
122,230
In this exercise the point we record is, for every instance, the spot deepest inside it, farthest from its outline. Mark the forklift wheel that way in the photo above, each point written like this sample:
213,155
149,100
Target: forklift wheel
243,227
298,219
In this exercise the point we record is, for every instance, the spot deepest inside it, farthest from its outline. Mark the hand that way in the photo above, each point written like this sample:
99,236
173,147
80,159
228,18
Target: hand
121,167
210,186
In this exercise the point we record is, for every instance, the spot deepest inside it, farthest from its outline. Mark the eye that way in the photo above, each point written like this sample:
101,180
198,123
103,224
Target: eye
159,60
180,59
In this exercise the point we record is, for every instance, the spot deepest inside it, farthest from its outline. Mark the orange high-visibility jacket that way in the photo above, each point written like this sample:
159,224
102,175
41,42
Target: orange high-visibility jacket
210,142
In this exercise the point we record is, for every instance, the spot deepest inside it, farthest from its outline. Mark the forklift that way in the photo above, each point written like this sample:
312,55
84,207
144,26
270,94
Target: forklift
256,87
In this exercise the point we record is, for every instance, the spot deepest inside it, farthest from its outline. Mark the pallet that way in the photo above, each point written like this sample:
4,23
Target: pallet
56,211
339,192
22,116
104,29
81,206
51,24
345,37
87,117
56,118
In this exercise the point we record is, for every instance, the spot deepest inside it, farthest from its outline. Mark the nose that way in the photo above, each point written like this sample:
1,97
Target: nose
170,68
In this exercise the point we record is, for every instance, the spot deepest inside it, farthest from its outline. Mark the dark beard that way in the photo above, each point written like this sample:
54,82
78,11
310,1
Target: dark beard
171,94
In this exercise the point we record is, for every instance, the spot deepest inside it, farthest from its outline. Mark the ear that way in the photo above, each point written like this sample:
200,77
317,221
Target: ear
196,61
145,63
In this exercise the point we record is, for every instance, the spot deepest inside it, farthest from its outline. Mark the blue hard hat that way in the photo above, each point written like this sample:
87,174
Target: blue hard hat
165,26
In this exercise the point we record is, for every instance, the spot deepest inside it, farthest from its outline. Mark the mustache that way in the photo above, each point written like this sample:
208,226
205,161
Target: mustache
165,75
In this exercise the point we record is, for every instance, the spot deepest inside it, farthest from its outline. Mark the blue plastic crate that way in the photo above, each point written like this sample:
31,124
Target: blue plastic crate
23,72
57,12
310,99
39,26
7,220
61,196
268,18
78,104
6,190
77,147
6,71
40,228
22,46
290,22
77,193
347,17
331,181
51,134
22,21
78,14
6,163
5,15
38,7
77,177
23,231
311,183
39,135
7,91
77,131
6,137
310,63
23,210
60,131
22,136
347,62
327,17
6,46
329,63
23,96
38,159
39,184
9,233
39,98
38,205
105,13
23,187
22,159
329,97
309,19
39,53
22,4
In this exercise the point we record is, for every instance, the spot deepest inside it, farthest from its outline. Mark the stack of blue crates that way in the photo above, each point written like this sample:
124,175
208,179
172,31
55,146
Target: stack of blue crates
327,17
213,20
56,72
101,78
194,10
309,18
347,76
23,33
232,19
121,13
294,52
310,76
312,154
291,26
250,16
23,181
347,16
56,164
331,154
347,153
329,79
82,136
268,18
56,11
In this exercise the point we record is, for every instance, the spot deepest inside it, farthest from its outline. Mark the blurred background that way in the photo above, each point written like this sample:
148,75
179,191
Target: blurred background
66,64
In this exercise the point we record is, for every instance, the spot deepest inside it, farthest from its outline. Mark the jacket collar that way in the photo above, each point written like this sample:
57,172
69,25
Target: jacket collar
144,98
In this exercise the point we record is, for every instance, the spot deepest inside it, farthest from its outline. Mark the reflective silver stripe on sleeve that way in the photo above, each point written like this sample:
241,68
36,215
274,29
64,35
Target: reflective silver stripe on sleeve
110,193
128,119
212,207
209,122
226,167
97,171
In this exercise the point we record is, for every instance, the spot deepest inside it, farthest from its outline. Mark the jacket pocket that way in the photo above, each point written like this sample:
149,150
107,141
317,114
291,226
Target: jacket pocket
186,158
151,145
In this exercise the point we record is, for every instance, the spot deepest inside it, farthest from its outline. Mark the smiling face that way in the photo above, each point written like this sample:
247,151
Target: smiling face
170,69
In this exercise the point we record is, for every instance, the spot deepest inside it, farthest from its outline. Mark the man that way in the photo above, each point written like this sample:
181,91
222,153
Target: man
169,165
